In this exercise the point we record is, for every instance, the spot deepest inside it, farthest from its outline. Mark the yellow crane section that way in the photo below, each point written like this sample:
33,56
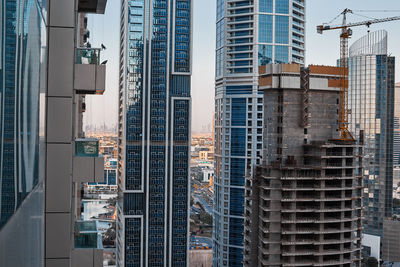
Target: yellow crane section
346,33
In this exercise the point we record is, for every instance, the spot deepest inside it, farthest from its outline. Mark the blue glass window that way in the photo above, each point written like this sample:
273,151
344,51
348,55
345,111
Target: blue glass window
182,32
220,9
265,29
264,54
235,257
236,207
281,54
238,141
282,6
266,6
237,171
238,89
236,232
132,242
238,111
282,29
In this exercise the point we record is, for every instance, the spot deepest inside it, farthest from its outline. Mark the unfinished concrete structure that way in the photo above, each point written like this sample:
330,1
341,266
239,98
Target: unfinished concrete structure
303,204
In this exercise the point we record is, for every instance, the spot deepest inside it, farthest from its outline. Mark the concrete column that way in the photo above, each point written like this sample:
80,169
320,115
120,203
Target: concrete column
58,181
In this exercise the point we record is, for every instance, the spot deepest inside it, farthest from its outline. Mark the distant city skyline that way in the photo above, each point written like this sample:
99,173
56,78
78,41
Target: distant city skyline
320,49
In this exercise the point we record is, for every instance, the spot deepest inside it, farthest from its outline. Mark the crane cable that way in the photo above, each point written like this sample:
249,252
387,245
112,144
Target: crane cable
376,10
333,19
363,16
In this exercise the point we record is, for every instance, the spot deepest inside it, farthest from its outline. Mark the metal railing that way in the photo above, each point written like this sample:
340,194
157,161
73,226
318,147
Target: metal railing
86,55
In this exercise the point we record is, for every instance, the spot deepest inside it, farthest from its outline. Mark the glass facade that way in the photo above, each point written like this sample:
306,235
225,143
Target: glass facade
371,100
248,34
154,132
22,141
396,126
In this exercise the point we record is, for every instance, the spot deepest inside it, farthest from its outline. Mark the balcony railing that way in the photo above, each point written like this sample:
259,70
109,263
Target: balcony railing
87,235
87,56
87,147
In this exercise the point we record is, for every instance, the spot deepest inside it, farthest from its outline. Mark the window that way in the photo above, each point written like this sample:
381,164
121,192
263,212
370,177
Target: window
282,29
281,54
238,142
282,6
238,112
264,54
265,29
266,6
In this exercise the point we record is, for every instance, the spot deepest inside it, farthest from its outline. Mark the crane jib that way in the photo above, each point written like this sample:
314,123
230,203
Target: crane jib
346,33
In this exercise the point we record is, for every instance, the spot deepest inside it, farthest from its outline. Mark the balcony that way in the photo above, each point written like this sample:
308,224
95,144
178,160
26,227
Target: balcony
87,165
87,235
88,245
92,6
90,75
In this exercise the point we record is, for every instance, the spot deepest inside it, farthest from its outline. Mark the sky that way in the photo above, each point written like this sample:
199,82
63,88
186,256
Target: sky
320,50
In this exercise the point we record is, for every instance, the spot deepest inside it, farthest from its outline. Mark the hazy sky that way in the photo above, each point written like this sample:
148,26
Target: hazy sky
320,49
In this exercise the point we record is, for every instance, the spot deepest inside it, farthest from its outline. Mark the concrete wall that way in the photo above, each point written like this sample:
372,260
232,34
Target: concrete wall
200,258
323,110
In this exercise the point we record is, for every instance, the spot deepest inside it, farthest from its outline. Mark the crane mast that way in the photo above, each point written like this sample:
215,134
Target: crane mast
345,134
346,33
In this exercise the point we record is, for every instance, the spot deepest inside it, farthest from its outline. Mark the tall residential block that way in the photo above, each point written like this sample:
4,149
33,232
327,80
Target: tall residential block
303,203
396,126
154,133
44,71
249,34
371,101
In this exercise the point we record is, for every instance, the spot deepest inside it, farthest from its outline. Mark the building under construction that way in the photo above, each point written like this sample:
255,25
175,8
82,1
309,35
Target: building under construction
303,205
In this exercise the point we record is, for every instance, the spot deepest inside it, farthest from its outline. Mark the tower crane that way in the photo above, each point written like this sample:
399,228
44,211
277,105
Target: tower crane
346,33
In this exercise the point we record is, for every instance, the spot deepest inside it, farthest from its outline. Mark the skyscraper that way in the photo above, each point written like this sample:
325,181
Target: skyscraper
41,67
249,34
371,101
154,133
303,204
22,148
396,126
